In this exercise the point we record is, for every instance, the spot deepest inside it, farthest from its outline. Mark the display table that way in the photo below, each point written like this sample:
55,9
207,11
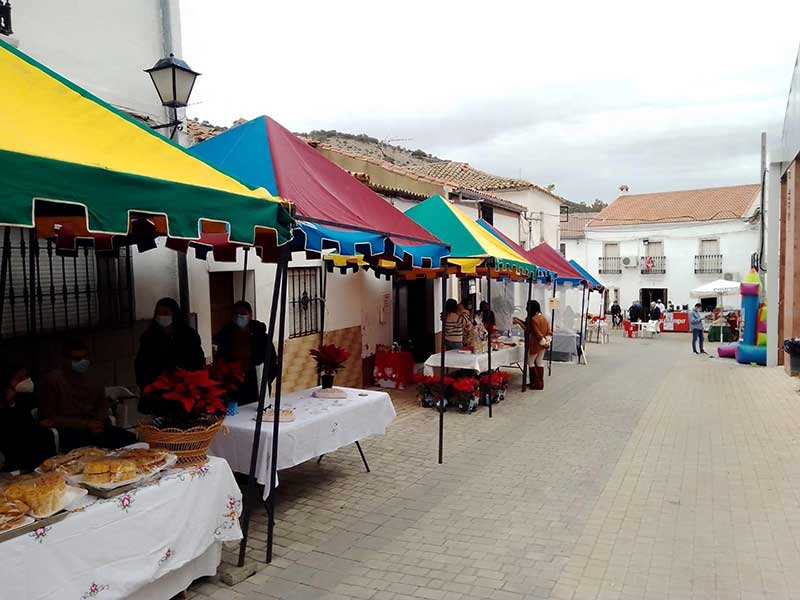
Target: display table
394,369
320,427
151,542
565,347
460,359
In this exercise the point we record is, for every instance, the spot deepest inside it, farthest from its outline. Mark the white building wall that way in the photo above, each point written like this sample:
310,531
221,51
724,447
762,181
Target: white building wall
544,218
737,241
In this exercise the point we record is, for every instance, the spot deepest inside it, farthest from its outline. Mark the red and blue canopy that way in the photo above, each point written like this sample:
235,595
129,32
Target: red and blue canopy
546,270
334,210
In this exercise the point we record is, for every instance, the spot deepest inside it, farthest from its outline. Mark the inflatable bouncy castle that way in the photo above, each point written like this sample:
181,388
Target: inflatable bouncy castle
753,343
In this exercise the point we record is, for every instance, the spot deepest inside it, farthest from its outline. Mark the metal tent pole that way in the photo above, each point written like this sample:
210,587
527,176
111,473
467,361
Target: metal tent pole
552,331
489,336
252,484
525,360
442,367
580,331
244,274
276,406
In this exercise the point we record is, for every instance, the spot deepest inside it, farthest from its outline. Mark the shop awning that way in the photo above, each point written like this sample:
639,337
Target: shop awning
335,210
547,266
470,244
62,145
591,281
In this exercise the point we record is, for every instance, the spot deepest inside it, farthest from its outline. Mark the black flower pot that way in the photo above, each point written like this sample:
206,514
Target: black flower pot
326,381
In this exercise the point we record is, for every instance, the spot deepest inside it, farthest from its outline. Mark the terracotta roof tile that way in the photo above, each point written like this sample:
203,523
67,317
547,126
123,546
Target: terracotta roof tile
709,204
575,226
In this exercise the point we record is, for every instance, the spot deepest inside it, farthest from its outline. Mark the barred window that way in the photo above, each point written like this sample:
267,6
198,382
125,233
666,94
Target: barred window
304,301
45,291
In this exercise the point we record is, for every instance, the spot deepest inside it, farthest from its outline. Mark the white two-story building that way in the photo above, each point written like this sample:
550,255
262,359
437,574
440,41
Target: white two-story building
660,246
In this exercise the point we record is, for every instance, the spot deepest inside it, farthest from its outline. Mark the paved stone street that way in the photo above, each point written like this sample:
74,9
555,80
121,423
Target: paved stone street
649,473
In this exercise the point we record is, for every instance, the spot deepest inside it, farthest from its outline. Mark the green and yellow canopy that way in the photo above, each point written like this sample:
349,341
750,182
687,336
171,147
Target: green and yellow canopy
470,244
61,144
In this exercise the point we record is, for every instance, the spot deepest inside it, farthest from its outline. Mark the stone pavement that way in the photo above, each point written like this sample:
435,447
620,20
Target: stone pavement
649,473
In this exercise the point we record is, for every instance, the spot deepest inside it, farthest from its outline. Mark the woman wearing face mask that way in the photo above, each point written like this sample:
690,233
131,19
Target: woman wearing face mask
244,340
168,343
23,443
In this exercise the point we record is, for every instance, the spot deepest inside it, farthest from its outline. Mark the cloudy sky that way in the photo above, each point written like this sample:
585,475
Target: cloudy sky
584,95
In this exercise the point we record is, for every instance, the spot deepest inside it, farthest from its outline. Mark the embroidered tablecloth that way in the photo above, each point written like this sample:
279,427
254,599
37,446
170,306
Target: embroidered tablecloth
149,542
320,427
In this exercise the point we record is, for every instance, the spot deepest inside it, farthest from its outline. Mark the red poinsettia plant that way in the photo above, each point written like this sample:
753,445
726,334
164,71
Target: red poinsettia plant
498,380
431,385
330,358
465,387
188,398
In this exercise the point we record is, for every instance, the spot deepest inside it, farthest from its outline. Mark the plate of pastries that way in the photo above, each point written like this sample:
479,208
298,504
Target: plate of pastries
13,515
44,494
124,467
72,463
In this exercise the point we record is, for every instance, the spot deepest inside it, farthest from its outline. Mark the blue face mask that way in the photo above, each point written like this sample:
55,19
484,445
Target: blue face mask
241,320
80,366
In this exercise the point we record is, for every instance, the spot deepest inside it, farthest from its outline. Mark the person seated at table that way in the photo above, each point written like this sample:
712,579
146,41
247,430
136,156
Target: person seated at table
23,443
456,324
244,340
74,403
487,316
169,343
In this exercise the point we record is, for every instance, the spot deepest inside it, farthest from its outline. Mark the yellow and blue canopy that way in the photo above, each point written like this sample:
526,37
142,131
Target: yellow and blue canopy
62,144
470,244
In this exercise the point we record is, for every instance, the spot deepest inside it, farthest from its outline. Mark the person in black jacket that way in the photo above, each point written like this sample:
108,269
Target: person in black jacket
244,340
655,312
168,343
23,443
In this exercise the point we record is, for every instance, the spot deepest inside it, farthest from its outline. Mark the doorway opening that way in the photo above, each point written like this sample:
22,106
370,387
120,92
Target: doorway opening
648,295
413,317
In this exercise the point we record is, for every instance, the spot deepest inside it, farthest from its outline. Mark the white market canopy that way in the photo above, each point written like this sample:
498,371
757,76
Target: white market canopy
719,287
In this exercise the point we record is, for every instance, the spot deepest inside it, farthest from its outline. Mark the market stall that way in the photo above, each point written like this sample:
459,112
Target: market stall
149,542
473,251
316,426
505,356
109,185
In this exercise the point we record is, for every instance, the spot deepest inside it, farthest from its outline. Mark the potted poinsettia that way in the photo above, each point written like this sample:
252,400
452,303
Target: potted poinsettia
429,389
498,382
464,392
189,407
330,358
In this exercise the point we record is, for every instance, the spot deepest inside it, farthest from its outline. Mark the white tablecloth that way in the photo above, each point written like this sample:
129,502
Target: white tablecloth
321,426
565,346
456,359
148,543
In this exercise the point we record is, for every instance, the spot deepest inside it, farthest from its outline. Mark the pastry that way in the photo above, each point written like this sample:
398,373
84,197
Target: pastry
12,513
123,470
147,460
42,494
72,462
109,470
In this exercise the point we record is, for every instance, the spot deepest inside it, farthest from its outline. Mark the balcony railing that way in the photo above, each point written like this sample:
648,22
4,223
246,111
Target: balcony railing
708,263
653,265
610,265
5,18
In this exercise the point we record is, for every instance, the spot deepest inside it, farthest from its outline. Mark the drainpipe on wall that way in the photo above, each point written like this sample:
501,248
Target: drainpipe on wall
773,275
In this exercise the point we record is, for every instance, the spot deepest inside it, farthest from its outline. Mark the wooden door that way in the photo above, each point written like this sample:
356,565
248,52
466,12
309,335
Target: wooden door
221,291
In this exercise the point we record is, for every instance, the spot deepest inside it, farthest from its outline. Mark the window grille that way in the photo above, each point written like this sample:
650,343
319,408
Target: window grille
44,291
304,304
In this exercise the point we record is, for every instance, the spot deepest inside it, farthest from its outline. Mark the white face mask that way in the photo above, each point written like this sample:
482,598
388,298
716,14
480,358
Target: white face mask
24,387
241,320
164,320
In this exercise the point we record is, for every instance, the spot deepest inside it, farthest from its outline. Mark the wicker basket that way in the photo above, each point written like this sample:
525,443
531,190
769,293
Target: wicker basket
189,445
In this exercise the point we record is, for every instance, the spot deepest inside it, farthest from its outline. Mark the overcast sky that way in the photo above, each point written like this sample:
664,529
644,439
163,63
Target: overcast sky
584,95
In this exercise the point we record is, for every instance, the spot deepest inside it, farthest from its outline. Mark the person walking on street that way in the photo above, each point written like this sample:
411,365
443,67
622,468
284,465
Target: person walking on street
696,325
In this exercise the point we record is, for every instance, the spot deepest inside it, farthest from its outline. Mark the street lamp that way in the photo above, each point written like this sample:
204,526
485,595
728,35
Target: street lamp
173,80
